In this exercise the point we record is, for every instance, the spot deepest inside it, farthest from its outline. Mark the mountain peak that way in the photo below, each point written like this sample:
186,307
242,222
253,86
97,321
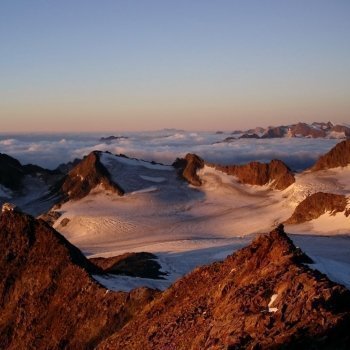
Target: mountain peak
87,175
338,156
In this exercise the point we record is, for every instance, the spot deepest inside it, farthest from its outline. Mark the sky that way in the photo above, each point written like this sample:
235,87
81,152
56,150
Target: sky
103,65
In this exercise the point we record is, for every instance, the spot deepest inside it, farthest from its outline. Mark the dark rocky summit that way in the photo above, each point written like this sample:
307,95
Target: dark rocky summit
47,298
142,265
188,167
85,176
109,139
262,297
317,204
338,156
12,172
249,136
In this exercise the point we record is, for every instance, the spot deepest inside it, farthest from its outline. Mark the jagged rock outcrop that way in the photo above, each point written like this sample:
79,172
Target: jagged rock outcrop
249,136
188,167
274,132
142,265
253,173
341,129
256,173
50,217
11,172
305,130
316,205
262,297
338,156
109,139
47,298
65,168
86,176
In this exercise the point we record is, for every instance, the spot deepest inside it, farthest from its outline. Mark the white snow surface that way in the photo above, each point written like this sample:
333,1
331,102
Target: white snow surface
187,226
272,300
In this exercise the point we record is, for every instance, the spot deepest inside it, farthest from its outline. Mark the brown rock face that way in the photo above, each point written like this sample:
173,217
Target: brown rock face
84,177
341,128
131,264
274,132
305,130
256,173
317,204
188,168
47,298
338,156
262,297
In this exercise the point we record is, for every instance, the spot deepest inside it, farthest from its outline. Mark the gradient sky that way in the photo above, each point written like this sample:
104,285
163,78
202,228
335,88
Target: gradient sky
84,65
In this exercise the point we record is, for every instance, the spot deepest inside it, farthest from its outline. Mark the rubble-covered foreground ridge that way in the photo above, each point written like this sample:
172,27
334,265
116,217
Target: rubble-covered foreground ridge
47,298
263,296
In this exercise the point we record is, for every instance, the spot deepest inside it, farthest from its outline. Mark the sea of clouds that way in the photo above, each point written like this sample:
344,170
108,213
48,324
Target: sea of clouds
50,150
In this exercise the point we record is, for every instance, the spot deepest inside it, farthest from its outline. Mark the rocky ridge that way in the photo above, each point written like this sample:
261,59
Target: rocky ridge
86,176
262,297
318,204
48,299
275,173
338,156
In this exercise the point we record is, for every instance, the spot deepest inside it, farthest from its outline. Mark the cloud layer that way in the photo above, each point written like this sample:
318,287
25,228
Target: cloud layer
164,146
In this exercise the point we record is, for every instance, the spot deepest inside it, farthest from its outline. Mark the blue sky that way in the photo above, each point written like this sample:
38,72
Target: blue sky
83,65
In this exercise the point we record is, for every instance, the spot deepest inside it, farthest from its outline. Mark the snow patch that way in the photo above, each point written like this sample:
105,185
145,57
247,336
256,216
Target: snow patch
272,300
145,190
152,178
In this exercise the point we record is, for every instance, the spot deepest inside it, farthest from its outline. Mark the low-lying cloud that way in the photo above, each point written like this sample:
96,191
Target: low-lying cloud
164,146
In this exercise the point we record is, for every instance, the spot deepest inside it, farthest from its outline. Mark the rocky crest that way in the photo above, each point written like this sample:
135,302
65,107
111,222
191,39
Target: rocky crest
47,298
338,156
256,173
13,172
262,297
142,265
188,167
253,173
316,205
85,176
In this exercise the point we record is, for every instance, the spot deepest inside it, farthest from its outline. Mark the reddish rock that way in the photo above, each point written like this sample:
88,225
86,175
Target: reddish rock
256,173
316,205
85,176
228,305
274,132
338,156
305,130
341,129
188,167
47,298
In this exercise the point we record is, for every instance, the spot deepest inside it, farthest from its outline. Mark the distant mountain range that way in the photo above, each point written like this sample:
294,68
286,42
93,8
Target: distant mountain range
313,130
